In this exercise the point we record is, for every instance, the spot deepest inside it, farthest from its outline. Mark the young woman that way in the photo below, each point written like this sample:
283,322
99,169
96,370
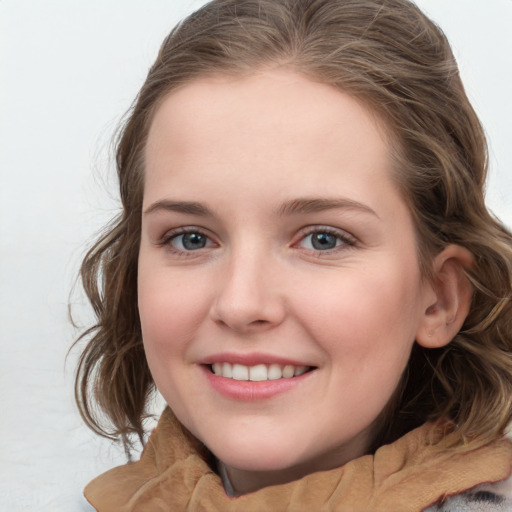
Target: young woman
305,269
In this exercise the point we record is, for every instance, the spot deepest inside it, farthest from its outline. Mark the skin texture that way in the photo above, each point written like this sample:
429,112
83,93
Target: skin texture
246,150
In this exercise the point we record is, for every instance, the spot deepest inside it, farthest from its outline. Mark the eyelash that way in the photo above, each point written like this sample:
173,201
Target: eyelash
346,239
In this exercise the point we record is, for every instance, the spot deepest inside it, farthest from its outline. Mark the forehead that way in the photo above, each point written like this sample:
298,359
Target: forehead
273,124
280,100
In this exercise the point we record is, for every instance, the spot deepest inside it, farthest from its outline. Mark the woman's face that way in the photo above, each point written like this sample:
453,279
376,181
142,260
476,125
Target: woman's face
279,287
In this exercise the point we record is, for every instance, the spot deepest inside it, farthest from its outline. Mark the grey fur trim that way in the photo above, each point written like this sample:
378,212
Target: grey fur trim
496,497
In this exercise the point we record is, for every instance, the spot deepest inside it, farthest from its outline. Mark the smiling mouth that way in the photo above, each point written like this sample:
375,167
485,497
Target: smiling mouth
259,372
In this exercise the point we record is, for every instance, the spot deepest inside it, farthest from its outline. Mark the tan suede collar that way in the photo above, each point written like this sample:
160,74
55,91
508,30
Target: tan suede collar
173,475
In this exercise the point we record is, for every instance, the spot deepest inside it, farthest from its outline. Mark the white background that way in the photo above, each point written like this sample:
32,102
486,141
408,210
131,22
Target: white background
68,70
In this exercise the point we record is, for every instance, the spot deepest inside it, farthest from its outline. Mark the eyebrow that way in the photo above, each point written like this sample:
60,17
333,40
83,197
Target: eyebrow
190,207
292,207
313,205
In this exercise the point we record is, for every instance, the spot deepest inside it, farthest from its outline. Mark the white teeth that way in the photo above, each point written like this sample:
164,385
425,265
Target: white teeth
288,371
274,372
227,370
300,370
240,372
259,372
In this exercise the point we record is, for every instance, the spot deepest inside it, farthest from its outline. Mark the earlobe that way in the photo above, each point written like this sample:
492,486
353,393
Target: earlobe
446,312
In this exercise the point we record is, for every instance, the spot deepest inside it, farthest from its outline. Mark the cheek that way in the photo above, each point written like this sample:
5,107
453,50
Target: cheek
170,311
365,314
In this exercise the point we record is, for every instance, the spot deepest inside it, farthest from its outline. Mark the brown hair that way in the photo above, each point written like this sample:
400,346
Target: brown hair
395,60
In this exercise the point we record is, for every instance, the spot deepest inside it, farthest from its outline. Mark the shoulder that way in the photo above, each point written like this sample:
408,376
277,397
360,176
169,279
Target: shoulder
485,497
495,497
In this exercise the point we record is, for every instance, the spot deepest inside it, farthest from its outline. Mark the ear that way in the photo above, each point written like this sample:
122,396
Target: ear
449,302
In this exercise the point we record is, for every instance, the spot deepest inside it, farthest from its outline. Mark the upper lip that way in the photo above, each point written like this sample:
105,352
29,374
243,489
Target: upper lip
251,359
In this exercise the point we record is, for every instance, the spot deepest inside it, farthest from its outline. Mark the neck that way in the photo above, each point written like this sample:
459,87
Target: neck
238,482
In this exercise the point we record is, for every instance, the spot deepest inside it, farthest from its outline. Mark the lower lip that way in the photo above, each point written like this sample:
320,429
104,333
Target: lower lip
250,391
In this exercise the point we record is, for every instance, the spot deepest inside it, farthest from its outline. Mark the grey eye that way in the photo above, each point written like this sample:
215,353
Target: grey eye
321,241
190,241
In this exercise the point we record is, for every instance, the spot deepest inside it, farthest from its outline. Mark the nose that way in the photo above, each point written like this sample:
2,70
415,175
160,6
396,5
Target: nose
249,297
